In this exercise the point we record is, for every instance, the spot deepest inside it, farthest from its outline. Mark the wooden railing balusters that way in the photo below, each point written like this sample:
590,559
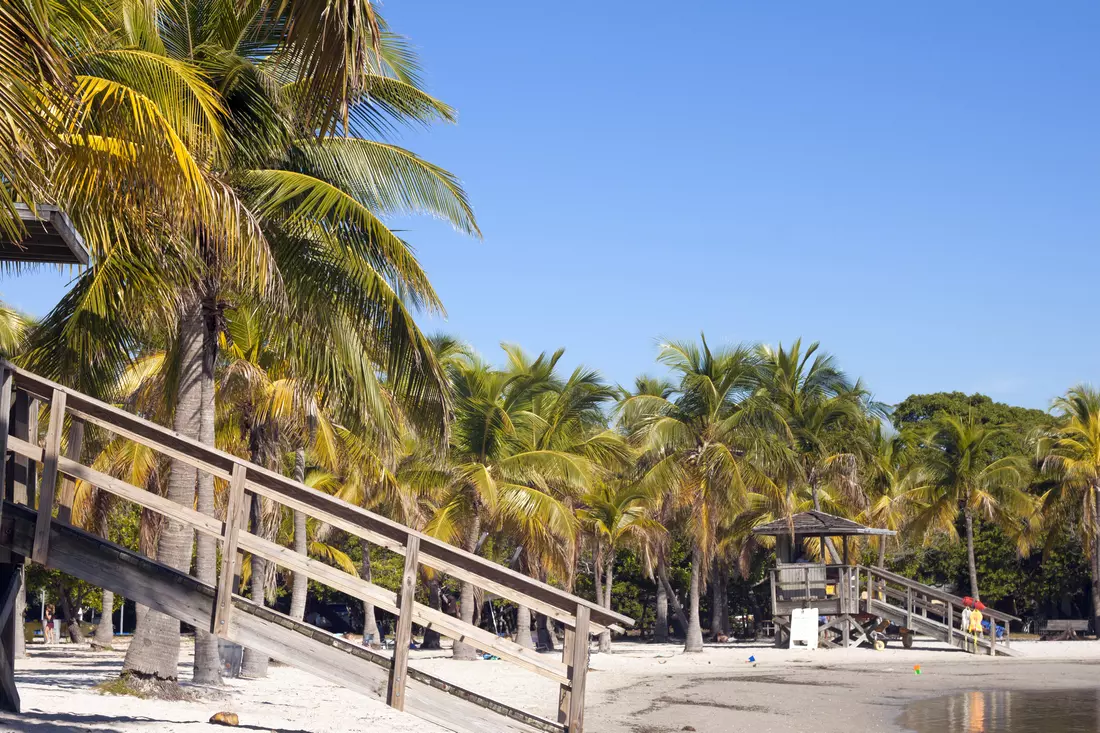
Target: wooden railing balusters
575,656
234,518
402,635
51,452
74,443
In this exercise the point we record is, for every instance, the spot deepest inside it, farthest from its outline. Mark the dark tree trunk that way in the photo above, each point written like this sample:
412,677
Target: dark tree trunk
972,565
104,632
523,627
660,625
681,617
254,664
208,668
72,624
881,563
694,641
715,603
370,621
466,599
435,600
605,637
1095,564
155,649
300,583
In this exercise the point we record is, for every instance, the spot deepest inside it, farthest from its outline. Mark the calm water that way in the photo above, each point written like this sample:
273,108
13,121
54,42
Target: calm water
1005,711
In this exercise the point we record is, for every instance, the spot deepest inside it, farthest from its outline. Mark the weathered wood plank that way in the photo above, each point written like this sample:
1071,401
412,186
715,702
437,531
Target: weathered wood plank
6,382
578,673
51,453
402,635
234,517
74,444
10,581
20,484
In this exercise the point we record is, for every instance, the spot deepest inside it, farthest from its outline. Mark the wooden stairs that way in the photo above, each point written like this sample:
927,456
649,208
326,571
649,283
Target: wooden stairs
40,476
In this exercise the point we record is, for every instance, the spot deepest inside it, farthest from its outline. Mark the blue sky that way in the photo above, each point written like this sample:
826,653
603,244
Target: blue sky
915,185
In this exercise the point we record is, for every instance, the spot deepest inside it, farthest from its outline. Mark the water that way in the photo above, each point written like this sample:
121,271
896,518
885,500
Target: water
1007,711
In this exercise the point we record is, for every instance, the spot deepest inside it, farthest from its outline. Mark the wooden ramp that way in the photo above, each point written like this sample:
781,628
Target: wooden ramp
932,612
52,541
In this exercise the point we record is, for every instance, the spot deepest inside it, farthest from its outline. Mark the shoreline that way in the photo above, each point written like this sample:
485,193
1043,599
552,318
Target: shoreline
638,688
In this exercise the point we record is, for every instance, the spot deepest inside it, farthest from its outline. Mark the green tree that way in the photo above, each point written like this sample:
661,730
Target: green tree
963,477
700,449
1071,456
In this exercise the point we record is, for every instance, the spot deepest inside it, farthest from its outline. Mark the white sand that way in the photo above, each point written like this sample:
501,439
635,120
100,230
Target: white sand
56,686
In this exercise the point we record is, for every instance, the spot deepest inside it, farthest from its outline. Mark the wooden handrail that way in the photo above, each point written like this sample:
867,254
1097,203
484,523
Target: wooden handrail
357,521
418,548
933,592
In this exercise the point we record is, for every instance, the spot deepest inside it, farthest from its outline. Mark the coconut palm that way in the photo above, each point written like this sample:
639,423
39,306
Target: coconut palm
1070,454
890,475
284,209
616,514
963,477
703,450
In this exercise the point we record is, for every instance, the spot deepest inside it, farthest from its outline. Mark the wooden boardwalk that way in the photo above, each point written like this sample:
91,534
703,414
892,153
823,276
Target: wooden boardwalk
52,541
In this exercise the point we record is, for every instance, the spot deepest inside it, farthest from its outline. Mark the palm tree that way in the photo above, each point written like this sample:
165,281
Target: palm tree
964,477
889,477
277,207
1071,455
701,449
616,514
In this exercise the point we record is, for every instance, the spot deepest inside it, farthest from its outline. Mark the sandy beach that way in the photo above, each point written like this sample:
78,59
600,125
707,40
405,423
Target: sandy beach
638,688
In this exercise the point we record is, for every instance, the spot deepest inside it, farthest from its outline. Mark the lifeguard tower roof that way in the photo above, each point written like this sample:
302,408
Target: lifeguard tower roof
51,239
817,524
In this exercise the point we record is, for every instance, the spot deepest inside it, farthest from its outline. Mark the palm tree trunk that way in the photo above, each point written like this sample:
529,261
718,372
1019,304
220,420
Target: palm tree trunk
724,600
466,599
300,584
72,624
1095,564
681,617
715,604
370,621
155,650
523,627
972,565
881,552
660,625
694,641
254,664
208,668
605,637
435,600
105,632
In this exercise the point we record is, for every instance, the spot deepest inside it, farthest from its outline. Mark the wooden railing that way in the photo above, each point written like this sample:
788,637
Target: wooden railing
921,603
20,391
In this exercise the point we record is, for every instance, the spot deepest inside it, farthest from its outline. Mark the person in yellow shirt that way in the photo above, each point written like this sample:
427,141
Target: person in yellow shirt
975,626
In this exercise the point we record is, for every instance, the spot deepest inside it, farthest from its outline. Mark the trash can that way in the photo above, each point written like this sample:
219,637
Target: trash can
231,657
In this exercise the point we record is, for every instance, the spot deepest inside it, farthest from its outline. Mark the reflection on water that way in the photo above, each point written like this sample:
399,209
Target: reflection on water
1007,711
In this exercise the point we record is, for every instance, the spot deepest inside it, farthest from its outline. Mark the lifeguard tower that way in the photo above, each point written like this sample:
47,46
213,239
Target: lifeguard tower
857,602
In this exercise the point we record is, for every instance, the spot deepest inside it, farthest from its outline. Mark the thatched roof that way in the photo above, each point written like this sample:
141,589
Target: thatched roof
817,524
51,238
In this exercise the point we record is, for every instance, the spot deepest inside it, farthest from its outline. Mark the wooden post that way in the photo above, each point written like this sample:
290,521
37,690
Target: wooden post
6,381
845,541
234,515
402,635
19,486
775,606
909,607
575,656
12,585
68,484
950,622
49,477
